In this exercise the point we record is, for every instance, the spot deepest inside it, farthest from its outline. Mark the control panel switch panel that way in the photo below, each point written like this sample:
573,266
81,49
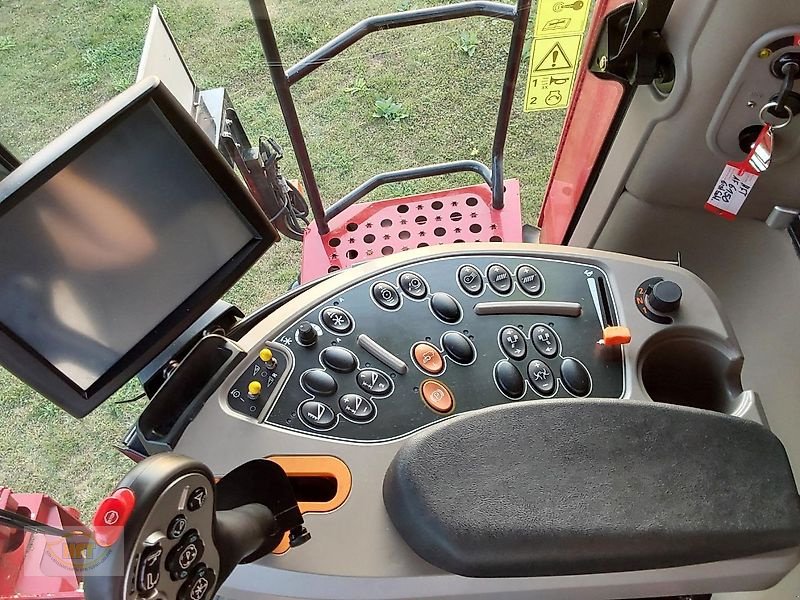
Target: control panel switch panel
398,350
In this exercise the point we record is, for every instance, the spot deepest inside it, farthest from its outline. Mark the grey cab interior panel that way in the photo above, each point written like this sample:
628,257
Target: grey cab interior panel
675,164
671,150
752,86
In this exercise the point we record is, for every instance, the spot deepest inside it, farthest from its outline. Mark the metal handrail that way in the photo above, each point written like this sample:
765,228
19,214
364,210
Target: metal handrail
393,21
282,80
406,175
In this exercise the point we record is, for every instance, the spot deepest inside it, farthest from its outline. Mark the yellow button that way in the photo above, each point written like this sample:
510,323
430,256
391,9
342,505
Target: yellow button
265,354
437,396
254,388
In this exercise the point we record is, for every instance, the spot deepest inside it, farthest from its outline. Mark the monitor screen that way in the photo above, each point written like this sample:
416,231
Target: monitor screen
123,238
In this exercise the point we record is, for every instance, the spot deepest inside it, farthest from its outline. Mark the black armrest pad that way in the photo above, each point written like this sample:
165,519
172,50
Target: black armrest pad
569,487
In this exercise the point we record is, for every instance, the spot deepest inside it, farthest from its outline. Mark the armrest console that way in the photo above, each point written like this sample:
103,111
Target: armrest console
567,487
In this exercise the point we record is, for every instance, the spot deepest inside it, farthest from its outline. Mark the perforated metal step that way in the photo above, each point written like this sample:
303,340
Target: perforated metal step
373,229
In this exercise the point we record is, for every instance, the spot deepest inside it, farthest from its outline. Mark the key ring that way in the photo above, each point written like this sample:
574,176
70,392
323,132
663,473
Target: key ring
766,107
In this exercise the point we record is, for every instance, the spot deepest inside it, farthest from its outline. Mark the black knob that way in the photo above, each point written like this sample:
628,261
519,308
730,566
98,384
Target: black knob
665,297
306,334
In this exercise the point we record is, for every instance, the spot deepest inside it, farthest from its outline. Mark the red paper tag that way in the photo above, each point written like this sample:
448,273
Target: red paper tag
732,189
738,178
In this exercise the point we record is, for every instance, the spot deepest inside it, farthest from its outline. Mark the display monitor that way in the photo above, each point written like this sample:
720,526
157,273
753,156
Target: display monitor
113,239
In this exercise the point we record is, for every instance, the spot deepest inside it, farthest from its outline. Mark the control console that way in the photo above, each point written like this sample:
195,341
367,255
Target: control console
340,380
409,346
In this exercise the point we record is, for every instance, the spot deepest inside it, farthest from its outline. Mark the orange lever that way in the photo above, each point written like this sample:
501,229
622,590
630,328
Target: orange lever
616,335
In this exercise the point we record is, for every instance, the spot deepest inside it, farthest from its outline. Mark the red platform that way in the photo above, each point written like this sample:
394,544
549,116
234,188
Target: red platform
33,565
370,230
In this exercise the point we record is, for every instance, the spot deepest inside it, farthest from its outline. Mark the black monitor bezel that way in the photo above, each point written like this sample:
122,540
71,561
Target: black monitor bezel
30,366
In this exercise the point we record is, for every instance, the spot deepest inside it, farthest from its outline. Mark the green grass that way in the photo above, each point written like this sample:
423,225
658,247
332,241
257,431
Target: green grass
60,61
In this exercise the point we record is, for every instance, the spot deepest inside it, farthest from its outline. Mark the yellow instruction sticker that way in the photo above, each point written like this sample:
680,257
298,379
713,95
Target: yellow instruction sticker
555,53
548,91
555,18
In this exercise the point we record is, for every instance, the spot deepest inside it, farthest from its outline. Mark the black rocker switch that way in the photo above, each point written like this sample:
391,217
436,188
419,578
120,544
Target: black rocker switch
665,297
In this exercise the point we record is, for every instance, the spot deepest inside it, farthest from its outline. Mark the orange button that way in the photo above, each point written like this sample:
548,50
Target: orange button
428,358
437,396
616,336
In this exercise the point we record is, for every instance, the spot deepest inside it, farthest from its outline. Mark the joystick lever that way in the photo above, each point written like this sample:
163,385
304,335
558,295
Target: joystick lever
170,531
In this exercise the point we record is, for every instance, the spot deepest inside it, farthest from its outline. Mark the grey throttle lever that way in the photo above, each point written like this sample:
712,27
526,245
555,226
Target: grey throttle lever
170,531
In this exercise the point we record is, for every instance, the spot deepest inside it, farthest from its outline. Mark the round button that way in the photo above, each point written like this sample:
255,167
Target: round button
445,307
356,408
197,498
374,382
185,555
265,354
513,342
339,359
499,279
437,396
665,297
317,415
575,377
529,280
509,380
470,280
413,285
458,347
337,320
318,382
306,334
428,358
544,340
541,377
176,527
199,585
111,516
385,295
254,389
189,556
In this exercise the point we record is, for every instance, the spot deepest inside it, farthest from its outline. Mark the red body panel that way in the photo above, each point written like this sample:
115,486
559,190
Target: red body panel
588,120
34,565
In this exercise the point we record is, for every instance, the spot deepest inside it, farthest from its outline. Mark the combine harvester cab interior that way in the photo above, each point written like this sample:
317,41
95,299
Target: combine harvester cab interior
449,403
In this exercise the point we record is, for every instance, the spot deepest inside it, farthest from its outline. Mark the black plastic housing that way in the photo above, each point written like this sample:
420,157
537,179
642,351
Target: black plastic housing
29,365
183,394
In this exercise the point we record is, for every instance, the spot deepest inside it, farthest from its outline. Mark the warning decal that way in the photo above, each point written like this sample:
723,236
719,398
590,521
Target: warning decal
549,55
553,59
555,53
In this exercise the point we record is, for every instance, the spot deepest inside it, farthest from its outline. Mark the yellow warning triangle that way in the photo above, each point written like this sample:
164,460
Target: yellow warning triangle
554,59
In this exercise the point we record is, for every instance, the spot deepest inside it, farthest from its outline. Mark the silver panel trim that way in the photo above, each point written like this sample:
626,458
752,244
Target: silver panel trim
529,307
382,354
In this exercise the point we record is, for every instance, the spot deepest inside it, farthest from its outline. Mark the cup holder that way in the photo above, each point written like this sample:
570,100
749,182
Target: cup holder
692,372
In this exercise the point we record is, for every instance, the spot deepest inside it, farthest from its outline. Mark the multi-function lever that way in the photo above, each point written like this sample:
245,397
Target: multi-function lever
170,531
